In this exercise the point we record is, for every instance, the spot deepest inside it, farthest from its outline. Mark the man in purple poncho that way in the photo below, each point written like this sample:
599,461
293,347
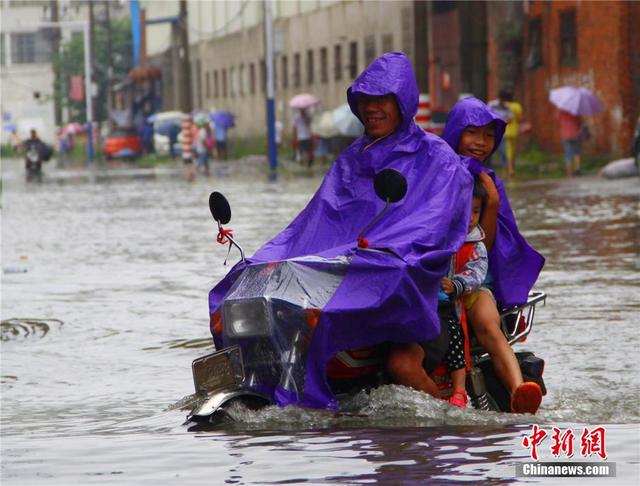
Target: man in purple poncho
390,295
475,131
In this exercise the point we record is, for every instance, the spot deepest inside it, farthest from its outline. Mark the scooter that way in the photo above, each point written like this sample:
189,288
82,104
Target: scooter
33,164
267,320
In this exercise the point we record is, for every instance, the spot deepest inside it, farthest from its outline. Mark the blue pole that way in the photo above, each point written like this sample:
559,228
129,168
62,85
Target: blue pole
271,140
90,142
271,114
134,9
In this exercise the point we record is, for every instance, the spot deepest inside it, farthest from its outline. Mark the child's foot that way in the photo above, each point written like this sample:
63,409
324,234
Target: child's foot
459,399
526,398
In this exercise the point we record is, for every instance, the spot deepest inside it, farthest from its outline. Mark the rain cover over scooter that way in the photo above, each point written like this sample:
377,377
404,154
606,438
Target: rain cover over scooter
384,296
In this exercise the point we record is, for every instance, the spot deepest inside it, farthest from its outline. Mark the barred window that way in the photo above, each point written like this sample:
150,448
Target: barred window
568,44
252,78
30,47
337,62
387,43
296,69
285,72
353,59
369,49
310,68
534,56
324,68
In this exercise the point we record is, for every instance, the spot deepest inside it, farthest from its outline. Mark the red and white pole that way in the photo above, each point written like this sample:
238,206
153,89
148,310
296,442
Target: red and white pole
187,139
423,116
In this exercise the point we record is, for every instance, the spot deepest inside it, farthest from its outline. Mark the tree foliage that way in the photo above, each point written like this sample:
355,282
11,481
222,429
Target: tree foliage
70,62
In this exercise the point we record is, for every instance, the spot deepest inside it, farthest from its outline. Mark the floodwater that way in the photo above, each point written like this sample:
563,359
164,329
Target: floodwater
114,309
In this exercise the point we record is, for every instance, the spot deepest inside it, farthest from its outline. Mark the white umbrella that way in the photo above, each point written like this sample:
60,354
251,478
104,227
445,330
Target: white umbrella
323,126
346,122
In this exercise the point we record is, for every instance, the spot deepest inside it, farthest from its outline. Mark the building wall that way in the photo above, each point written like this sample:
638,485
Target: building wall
326,25
605,64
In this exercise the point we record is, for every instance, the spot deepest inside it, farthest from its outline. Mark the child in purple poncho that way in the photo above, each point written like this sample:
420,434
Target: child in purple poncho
474,131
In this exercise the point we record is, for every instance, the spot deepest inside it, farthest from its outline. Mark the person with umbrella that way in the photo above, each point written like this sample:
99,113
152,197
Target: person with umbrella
573,103
222,121
302,135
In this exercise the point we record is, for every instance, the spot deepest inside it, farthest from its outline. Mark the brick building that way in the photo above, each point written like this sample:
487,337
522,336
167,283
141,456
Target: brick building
528,46
569,42
533,46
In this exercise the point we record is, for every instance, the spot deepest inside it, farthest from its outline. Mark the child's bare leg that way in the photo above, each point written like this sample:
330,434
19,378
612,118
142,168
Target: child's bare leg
458,379
485,322
405,366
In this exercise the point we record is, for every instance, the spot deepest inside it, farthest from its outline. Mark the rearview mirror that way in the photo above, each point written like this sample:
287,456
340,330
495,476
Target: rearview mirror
220,209
390,185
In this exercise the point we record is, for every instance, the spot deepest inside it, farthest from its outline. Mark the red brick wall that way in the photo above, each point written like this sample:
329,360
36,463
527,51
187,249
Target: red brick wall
606,40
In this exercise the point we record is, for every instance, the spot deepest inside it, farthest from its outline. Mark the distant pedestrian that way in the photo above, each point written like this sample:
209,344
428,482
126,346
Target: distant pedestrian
302,136
501,108
202,149
221,141
16,143
570,135
512,133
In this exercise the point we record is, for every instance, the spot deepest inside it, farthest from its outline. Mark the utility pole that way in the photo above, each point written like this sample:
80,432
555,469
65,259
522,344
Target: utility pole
57,75
185,87
107,20
271,119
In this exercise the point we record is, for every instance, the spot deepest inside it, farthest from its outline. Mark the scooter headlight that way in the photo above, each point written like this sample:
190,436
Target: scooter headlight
247,318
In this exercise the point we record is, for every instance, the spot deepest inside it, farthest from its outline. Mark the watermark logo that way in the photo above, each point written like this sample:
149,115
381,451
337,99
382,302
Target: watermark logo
592,442
566,469
562,443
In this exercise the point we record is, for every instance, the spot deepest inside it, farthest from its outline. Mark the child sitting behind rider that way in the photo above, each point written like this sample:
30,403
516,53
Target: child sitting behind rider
468,271
479,142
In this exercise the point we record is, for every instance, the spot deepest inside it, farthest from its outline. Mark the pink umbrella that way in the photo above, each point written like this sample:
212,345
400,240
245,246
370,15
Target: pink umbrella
304,100
72,128
575,100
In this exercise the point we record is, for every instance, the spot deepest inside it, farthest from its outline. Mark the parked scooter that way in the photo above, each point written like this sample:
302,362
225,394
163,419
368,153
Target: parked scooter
268,317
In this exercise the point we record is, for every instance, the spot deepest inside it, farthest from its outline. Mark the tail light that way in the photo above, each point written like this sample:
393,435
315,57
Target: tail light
312,316
215,323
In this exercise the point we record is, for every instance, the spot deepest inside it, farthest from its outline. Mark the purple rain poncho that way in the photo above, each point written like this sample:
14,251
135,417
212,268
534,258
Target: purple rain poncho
383,297
513,263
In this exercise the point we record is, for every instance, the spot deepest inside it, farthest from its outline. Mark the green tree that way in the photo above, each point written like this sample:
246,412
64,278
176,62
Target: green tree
71,63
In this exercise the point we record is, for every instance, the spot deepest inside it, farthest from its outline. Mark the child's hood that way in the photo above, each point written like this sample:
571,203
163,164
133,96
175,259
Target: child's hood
471,111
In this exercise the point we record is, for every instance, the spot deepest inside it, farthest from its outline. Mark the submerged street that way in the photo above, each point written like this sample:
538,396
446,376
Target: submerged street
116,282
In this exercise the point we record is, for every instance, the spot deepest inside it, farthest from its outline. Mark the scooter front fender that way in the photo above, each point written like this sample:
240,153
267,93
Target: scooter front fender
217,401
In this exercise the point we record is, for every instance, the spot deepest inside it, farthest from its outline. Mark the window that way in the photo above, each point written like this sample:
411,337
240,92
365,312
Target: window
296,69
568,48
30,48
324,68
534,56
369,49
353,59
310,67
207,85
242,80
224,83
216,86
233,82
252,78
2,56
387,43
337,62
285,72
263,75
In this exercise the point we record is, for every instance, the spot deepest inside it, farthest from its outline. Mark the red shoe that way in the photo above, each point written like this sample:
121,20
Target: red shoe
526,398
459,398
